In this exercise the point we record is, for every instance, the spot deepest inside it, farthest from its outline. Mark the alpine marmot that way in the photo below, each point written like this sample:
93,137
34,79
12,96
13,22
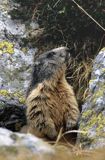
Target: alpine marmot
51,103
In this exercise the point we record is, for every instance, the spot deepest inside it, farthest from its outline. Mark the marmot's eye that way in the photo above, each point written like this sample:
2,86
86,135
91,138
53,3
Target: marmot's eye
50,54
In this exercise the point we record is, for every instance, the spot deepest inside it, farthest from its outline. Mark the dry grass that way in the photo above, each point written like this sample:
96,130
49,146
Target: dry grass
61,153
78,75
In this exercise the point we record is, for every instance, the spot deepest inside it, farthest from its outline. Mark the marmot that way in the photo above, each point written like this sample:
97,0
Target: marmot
51,103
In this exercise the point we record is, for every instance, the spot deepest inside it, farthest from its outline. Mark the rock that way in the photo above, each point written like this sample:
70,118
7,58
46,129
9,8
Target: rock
15,57
16,60
12,115
92,121
18,146
11,139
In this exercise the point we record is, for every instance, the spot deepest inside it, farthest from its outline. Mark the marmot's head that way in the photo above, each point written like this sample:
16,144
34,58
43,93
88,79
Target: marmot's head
47,64
57,56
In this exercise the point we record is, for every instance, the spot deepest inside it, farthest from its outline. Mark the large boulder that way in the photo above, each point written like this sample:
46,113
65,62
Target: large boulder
15,57
19,146
15,60
14,141
92,122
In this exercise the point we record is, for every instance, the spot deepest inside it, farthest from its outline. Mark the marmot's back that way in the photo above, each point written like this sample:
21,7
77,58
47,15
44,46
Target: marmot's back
51,102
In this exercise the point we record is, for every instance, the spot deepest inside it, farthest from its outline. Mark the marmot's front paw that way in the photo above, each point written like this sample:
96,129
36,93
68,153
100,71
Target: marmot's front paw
50,131
70,123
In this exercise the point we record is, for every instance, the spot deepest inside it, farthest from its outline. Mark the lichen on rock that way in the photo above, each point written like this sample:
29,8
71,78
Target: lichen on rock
6,47
15,58
18,140
93,111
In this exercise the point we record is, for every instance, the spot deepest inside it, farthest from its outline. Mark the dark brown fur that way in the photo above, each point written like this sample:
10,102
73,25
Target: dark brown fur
51,105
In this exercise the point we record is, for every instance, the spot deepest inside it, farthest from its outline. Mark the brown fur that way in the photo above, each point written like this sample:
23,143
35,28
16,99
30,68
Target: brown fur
51,106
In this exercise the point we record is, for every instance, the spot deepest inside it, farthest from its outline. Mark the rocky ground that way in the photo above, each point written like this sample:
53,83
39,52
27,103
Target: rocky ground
19,146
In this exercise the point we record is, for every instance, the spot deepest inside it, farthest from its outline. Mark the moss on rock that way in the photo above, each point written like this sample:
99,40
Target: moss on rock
92,121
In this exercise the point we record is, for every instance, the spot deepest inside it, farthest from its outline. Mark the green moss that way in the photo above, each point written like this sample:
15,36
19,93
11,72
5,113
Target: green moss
6,47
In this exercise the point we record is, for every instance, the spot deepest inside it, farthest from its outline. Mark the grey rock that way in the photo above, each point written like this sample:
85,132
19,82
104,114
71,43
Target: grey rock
15,67
11,139
12,115
92,122
15,61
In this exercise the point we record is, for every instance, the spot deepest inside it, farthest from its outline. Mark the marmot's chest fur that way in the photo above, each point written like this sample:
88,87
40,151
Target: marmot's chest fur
51,104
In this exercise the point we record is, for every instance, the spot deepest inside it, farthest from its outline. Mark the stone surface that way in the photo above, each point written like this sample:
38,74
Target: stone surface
12,115
11,139
15,58
19,146
92,122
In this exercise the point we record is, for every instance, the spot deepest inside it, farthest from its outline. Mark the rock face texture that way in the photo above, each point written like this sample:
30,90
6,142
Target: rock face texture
92,121
15,57
15,61
11,139
12,116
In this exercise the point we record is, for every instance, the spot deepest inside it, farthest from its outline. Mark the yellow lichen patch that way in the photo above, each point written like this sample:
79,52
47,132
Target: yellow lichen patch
103,49
100,124
22,100
16,95
20,97
86,113
4,92
103,70
99,93
91,81
24,50
6,47
97,121
90,123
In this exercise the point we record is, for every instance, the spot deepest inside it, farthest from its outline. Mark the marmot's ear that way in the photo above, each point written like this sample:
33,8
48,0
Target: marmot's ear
40,86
